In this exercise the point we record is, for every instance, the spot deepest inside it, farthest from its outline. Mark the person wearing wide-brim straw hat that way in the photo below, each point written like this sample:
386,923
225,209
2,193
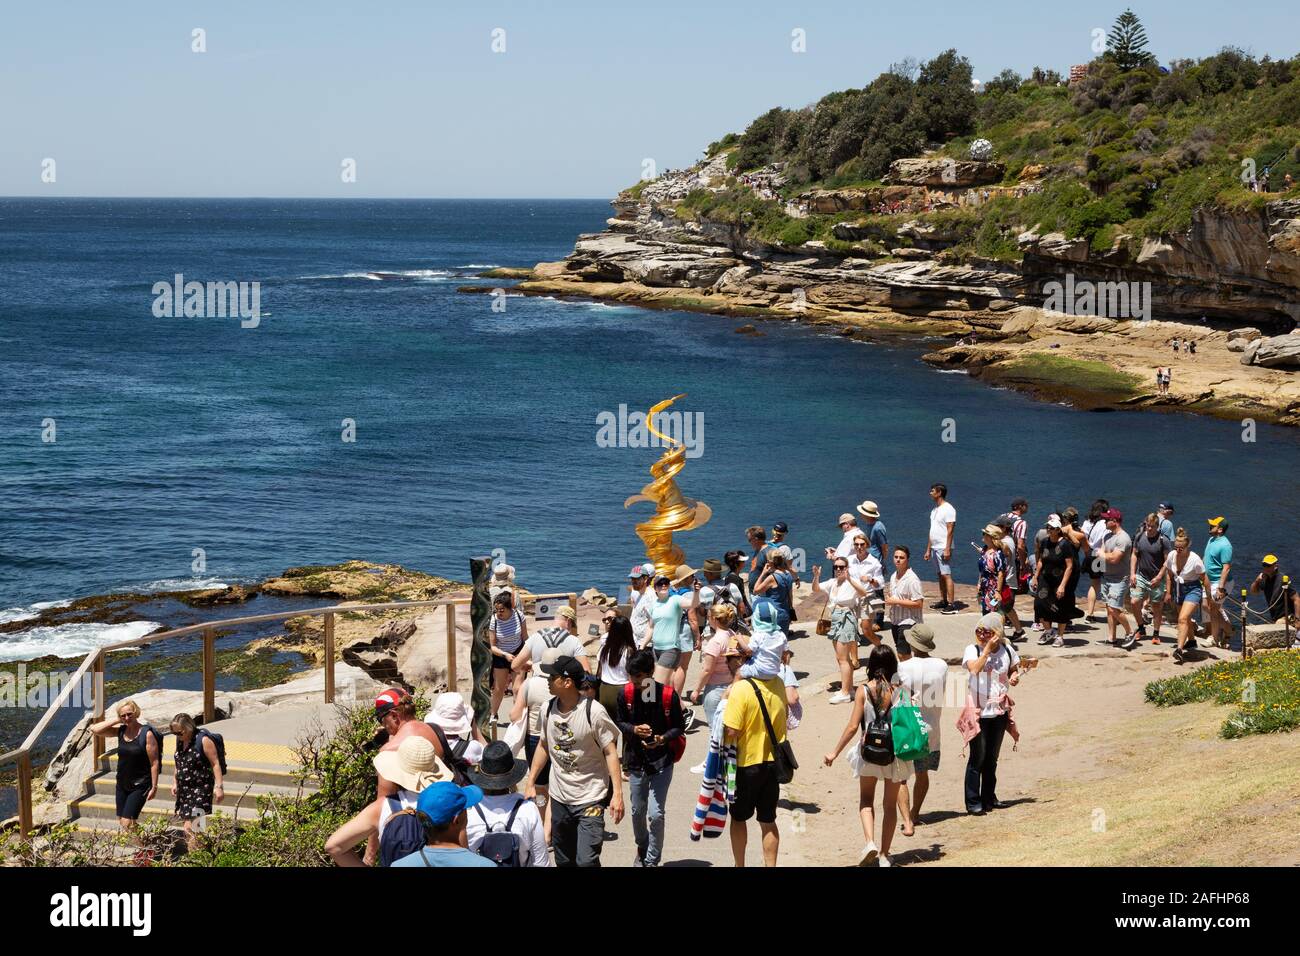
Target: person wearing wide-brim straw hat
411,767
502,809
925,678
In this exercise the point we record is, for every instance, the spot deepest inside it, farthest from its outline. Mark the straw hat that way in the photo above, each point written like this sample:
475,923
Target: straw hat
450,713
412,766
683,572
868,509
993,531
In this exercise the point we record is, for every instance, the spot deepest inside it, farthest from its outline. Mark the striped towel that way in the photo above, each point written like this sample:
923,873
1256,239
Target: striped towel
710,816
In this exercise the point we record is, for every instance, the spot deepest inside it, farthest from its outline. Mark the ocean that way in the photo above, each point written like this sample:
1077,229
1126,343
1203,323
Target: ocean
476,428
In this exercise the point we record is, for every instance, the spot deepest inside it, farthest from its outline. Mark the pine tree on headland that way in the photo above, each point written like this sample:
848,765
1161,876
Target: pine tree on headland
1127,42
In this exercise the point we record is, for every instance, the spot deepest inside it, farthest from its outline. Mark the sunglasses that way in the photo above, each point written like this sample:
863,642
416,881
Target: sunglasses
841,567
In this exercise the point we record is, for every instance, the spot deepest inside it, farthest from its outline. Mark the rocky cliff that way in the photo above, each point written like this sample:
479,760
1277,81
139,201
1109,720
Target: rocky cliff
1231,269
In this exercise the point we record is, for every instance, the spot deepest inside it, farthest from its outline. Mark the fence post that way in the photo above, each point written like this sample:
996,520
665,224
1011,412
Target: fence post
573,603
1244,652
24,794
209,676
97,709
451,646
329,658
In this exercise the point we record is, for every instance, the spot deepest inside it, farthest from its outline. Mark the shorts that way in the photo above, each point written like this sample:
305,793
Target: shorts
928,764
130,800
1115,593
499,663
757,793
900,638
1145,589
530,748
944,568
1188,593
669,657
686,641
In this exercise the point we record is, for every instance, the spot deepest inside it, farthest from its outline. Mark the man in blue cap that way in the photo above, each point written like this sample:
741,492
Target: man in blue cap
442,807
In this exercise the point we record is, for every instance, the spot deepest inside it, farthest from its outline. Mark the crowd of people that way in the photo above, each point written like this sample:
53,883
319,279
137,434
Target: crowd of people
592,738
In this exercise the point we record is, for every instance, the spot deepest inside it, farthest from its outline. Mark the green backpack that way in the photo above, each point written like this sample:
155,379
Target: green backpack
911,739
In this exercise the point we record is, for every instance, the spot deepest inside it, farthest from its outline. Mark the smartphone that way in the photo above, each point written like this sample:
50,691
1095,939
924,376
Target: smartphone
593,630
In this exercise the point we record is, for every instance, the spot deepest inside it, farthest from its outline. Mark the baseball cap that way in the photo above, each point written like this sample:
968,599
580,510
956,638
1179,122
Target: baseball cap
443,802
991,621
567,613
1114,514
1053,521
638,571
1269,560
565,666
1164,506
781,527
846,517
388,700
1220,522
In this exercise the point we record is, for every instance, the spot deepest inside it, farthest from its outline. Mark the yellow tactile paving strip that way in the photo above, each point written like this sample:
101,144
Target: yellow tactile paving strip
239,752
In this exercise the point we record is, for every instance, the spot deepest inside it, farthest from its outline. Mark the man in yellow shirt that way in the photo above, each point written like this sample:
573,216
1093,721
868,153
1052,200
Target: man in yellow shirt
757,789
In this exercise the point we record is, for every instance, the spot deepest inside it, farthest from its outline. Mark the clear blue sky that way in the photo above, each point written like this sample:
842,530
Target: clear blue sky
413,92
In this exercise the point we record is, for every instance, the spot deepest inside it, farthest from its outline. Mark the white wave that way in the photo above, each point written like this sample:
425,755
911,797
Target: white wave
346,275
69,640
479,265
30,612
177,584
952,371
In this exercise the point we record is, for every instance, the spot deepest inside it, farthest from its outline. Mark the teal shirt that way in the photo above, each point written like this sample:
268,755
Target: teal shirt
1218,552
667,617
429,856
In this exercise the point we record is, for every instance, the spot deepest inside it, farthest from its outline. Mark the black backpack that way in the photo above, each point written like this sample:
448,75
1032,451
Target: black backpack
151,730
454,757
878,737
501,846
218,741
403,834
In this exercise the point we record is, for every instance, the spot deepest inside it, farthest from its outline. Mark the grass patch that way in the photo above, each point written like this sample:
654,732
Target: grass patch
1070,374
1265,688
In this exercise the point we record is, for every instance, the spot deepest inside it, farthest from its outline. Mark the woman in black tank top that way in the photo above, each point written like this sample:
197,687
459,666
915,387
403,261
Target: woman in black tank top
139,759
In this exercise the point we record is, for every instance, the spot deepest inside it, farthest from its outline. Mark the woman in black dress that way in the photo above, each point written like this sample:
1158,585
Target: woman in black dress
198,773
1050,584
139,758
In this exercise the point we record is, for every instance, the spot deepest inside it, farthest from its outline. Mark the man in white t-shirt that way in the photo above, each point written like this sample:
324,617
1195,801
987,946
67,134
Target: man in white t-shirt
849,526
992,666
904,599
642,613
943,521
925,678
502,810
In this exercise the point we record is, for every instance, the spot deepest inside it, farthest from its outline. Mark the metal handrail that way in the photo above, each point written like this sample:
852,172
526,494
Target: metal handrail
95,659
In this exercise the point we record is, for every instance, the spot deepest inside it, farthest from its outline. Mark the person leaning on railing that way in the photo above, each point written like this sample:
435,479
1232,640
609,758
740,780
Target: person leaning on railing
139,760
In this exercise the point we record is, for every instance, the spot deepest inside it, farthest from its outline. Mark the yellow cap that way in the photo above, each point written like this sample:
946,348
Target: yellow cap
1215,522
1270,559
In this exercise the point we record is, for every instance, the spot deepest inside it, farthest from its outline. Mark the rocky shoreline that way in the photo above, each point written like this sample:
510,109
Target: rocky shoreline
1231,283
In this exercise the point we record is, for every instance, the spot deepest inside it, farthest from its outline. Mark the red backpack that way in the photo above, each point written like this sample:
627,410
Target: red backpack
676,746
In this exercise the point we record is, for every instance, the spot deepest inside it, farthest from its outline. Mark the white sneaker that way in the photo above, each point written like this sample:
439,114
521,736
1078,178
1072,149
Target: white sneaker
841,698
868,855
884,860
698,768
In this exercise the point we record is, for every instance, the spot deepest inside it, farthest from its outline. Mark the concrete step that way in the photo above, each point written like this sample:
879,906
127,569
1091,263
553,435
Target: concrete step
105,785
246,763
103,805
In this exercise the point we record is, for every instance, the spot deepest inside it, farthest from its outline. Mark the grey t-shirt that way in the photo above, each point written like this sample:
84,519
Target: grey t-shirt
1115,572
1151,554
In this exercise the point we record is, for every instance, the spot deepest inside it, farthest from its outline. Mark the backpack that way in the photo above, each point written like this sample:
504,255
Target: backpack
501,846
151,730
403,834
878,737
454,757
676,746
218,741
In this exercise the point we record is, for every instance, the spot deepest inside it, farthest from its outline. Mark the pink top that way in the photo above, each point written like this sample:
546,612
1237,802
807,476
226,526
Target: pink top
716,646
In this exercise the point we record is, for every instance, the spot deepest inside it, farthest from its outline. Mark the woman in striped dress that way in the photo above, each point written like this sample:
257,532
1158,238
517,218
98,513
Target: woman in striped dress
507,633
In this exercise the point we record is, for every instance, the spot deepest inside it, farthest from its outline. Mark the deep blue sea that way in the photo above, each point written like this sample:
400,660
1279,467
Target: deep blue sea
476,429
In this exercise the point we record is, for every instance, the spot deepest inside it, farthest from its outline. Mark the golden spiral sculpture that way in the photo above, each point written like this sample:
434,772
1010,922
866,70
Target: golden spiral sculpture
673,510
